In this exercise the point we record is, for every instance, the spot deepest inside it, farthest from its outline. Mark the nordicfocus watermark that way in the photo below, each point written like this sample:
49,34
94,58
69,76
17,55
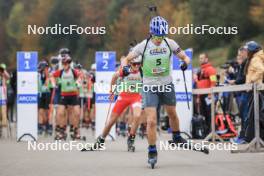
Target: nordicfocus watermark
163,145
62,146
200,30
138,87
141,87
191,145
58,29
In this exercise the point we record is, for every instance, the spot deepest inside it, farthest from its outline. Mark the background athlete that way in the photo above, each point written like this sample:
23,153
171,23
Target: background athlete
69,100
129,96
44,122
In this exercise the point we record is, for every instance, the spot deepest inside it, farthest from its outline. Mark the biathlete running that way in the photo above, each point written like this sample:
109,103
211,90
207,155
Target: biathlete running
70,82
129,96
158,88
44,123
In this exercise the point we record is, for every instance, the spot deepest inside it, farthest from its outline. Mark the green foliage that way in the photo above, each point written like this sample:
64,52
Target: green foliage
5,7
66,13
125,21
222,13
15,23
115,8
232,51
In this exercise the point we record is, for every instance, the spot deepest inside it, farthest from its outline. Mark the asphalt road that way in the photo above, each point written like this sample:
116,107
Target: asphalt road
15,159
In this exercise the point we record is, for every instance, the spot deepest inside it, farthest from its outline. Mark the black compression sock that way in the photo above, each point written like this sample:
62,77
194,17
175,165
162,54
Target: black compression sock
176,135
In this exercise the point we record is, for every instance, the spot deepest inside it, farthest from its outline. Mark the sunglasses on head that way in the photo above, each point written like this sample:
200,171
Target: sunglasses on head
136,63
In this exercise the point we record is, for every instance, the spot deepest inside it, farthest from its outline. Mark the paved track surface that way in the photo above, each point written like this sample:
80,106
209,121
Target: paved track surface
15,159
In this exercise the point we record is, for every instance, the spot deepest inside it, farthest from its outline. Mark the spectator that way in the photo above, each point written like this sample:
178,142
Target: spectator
244,96
230,74
206,79
4,77
11,96
241,60
254,70
196,102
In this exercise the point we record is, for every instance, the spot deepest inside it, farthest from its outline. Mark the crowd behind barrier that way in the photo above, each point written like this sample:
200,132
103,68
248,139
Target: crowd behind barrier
223,99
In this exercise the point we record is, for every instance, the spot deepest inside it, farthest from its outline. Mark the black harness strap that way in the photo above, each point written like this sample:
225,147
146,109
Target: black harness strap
74,75
168,46
143,54
142,60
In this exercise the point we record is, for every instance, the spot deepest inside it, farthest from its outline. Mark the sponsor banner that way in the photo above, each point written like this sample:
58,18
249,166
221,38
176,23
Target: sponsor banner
105,68
2,102
26,82
181,97
27,61
105,61
27,99
103,98
27,96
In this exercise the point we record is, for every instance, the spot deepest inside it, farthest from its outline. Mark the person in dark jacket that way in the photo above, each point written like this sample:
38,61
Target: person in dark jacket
244,96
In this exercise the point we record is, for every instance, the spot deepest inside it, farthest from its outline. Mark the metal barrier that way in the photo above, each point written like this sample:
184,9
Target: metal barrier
257,144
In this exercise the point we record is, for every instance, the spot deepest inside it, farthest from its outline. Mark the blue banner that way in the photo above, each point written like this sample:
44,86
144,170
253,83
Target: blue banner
103,98
2,102
27,61
27,99
177,62
105,61
181,96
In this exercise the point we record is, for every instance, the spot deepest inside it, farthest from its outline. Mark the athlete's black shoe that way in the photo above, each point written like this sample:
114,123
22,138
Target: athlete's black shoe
41,129
75,135
131,143
98,145
49,129
60,133
152,156
179,141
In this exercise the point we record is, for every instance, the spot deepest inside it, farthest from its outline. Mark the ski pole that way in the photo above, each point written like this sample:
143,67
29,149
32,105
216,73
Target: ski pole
89,91
82,100
108,111
186,91
82,108
51,104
